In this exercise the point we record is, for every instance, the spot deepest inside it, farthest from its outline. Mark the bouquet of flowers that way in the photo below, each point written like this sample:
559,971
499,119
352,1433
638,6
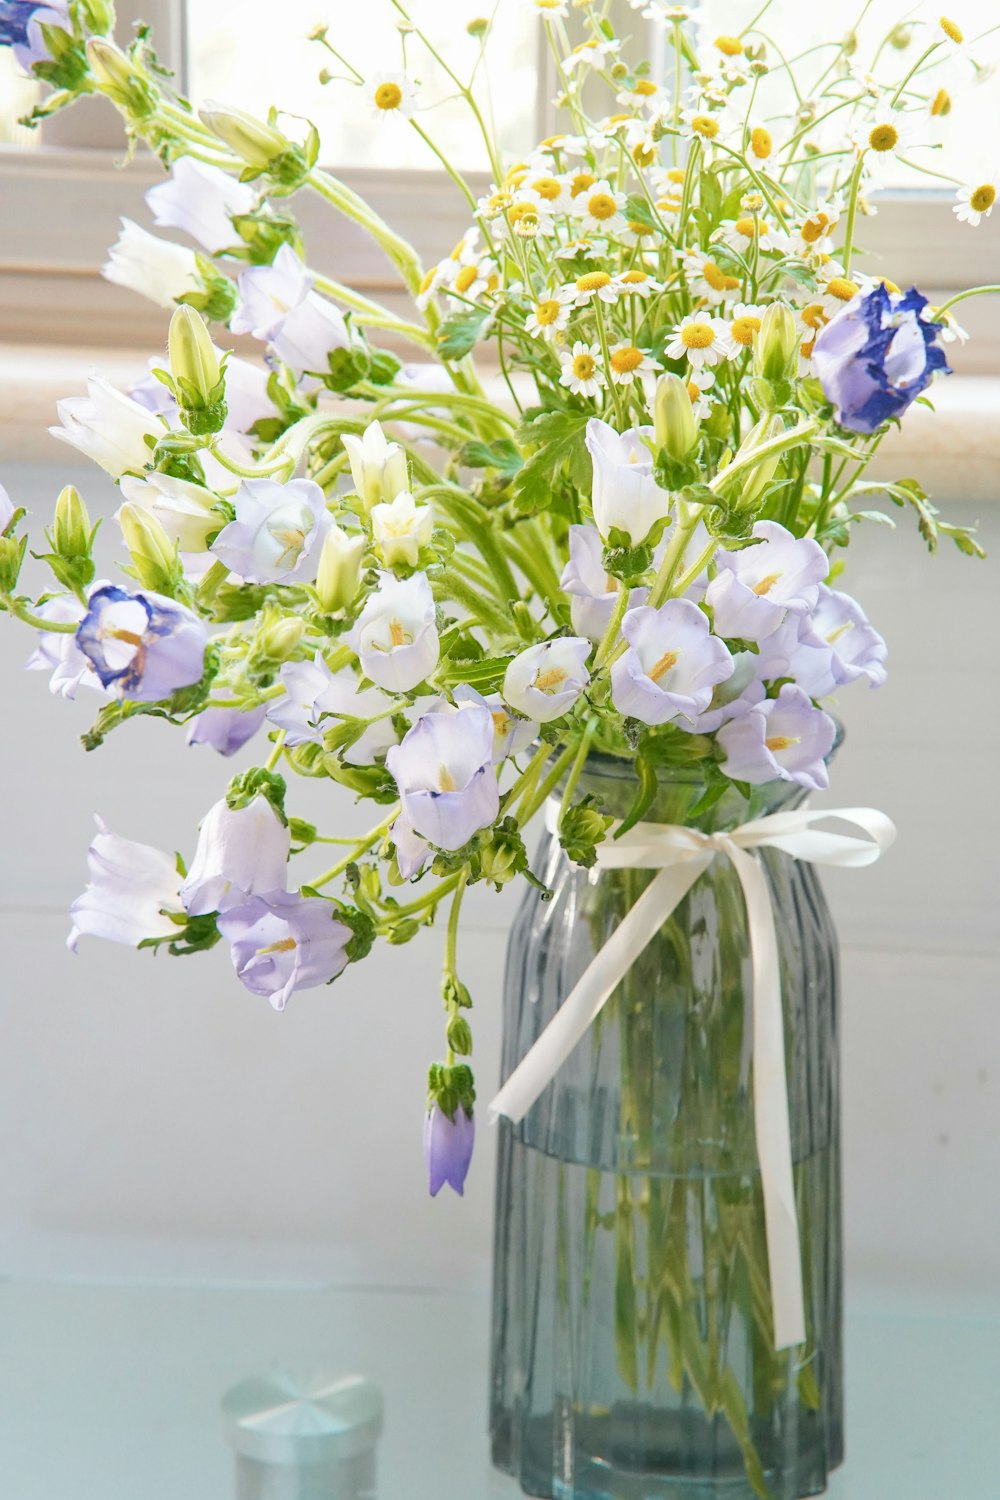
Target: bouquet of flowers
443,594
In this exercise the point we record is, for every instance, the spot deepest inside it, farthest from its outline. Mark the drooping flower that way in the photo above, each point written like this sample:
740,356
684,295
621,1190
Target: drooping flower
395,636
201,200
246,394
784,738
672,665
141,645
285,942
241,852
591,589
444,771
155,268
133,892
448,1145
543,681
225,729
378,467
625,495
400,529
280,307
756,587
316,700
278,531
510,735
184,510
412,852
114,431
58,652
877,355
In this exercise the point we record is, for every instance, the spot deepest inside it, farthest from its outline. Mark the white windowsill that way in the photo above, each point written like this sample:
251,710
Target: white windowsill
944,449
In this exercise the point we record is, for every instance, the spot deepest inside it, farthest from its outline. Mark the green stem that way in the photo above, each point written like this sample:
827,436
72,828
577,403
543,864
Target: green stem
361,847
577,766
972,291
852,212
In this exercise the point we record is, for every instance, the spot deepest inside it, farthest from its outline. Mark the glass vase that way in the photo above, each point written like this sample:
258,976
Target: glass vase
633,1353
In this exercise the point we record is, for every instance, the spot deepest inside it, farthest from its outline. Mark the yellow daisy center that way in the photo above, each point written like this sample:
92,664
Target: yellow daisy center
584,366
634,278
465,278
518,212
813,316
718,280
547,188
941,103
662,667
744,328
694,392
638,228
982,198
749,227
624,361
593,281
808,345
842,288
730,46
815,228
761,143
952,32
388,96
602,206
884,138
428,280
644,87
676,174
705,125
547,312
697,336
580,183
668,205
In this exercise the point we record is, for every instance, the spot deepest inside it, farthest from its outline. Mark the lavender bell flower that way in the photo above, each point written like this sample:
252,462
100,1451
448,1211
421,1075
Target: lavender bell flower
225,729
395,635
412,852
316,699
6,509
784,738
755,588
444,771
279,306
876,356
133,892
732,697
544,681
285,942
200,200
510,735
246,393
242,852
838,625
592,591
278,531
448,1148
625,494
142,646
672,664
60,654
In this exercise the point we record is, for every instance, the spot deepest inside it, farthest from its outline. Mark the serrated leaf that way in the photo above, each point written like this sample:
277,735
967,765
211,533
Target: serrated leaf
558,440
461,331
502,455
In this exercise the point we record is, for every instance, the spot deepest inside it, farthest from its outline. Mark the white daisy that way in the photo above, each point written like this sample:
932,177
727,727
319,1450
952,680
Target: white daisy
700,338
391,94
700,382
471,280
976,200
809,319
627,362
835,290
744,325
639,234
707,279
599,285
646,94
949,34
592,54
637,283
551,9
583,248
433,280
739,234
951,331
552,188
581,370
703,123
884,136
548,319
813,234
599,208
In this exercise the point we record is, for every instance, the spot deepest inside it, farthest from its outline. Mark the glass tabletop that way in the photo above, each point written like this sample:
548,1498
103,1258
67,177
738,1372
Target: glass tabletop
112,1391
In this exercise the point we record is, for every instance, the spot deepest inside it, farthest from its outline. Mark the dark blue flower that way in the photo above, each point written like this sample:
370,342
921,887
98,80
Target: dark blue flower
875,357
21,28
142,646
14,18
448,1147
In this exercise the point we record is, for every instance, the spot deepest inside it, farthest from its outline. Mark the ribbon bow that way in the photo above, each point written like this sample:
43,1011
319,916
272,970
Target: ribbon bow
680,855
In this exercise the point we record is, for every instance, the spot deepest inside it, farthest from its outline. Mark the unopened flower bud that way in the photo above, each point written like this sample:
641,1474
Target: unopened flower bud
98,14
339,572
116,76
479,27
253,142
459,1036
674,422
776,348
71,532
900,36
12,551
759,477
153,554
198,380
280,640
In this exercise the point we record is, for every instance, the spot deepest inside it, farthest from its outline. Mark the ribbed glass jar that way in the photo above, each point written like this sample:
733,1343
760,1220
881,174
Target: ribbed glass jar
633,1354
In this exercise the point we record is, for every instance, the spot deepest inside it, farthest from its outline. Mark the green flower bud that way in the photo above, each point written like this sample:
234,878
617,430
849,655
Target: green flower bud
776,347
253,142
198,380
11,557
153,554
459,1036
760,477
674,422
117,77
478,27
339,575
71,531
98,14
279,641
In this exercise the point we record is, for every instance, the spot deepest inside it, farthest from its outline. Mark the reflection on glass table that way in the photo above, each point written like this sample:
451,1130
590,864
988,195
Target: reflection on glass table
113,1392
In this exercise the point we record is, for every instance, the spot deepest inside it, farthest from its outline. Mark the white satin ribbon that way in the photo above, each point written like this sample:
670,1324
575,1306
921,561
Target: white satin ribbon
680,855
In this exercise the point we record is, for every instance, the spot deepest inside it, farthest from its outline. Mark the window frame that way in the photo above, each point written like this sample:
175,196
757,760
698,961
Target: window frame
63,202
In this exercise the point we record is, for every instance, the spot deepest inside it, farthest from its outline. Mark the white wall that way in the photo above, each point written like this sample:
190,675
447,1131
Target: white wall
156,1119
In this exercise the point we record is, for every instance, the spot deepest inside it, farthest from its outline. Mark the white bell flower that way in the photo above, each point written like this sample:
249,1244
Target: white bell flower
378,466
242,852
401,528
395,636
109,428
155,268
544,681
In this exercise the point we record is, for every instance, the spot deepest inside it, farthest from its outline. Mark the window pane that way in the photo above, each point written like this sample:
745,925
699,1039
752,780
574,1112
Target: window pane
954,143
238,55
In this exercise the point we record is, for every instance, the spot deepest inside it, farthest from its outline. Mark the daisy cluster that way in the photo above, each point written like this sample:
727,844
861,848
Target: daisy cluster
343,556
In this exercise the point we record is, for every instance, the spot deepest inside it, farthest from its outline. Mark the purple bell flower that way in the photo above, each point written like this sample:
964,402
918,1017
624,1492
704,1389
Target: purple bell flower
874,358
285,942
225,729
142,646
448,1148
21,28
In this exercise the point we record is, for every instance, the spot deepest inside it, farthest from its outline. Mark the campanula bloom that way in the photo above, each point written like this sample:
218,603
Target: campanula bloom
591,589
378,467
876,356
412,852
225,729
201,200
395,635
317,700
625,495
448,1147
241,852
59,653
734,696
285,942
755,588
672,663
785,738
115,431
838,625
184,510
445,775
510,735
401,529
278,531
133,892
155,268
280,307
543,681
142,646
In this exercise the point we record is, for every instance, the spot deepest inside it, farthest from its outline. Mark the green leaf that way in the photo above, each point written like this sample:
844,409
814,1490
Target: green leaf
647,790
638,211
560,450
503,455
461,331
